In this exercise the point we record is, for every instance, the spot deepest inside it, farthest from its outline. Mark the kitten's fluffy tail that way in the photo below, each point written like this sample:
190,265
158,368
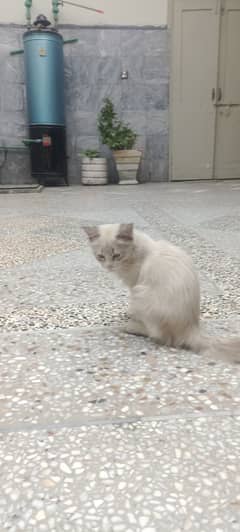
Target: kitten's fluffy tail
223,348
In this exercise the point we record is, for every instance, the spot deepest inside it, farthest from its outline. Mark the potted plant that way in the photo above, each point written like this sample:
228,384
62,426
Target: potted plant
121,139
94,168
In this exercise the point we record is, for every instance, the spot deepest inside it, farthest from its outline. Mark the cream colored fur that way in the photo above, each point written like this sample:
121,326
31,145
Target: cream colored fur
163,286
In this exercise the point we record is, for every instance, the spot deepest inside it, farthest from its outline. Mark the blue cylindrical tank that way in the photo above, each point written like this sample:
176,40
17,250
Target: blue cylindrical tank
44,73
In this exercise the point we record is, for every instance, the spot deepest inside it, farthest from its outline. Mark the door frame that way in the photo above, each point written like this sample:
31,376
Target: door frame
170,22
171,28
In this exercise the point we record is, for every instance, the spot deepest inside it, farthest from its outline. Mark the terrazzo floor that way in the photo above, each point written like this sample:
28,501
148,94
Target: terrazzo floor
100,431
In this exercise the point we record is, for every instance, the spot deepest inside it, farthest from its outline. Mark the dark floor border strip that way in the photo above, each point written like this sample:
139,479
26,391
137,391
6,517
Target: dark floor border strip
104,422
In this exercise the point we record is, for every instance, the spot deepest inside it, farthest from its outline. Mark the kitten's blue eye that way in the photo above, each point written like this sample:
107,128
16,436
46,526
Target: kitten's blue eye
116,256
101,258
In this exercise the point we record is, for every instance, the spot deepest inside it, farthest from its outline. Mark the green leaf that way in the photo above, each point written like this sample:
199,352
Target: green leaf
91,154
113,132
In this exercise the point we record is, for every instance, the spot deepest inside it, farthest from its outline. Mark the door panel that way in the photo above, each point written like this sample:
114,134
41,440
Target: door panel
227,164
227,158
194,75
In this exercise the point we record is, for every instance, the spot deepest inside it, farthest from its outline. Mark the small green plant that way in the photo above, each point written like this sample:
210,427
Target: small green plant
91,154
113,132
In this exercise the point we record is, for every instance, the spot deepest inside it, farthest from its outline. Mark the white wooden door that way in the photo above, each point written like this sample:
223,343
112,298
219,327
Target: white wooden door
227,156
193,88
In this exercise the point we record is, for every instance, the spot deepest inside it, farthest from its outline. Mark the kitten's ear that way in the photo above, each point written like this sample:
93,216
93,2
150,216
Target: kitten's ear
92,232
125,232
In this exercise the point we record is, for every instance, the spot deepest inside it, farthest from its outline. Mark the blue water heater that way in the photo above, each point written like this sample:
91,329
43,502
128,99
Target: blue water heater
44,74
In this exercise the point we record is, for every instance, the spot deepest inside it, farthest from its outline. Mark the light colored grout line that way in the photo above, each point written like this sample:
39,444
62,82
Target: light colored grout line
115,327
104,422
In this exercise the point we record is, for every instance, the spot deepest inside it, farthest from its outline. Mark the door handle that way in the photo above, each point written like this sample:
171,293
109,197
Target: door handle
216,95
219,94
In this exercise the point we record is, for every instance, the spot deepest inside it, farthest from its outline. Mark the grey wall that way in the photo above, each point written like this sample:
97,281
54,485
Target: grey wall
12,108
93,71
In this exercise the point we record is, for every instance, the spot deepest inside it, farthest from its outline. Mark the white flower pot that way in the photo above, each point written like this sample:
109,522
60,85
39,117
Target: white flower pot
127,163
94,171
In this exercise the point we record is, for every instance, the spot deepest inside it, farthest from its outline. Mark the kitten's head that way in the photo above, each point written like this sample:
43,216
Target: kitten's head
112,244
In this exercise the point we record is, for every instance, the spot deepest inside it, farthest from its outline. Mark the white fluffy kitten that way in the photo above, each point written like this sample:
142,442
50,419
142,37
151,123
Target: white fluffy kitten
164,289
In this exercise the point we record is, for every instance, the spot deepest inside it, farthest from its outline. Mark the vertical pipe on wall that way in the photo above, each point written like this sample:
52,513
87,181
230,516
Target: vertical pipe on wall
55,11
28,5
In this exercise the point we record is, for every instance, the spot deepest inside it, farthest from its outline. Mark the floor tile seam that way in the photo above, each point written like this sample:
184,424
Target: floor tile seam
116,421
115,328
43,330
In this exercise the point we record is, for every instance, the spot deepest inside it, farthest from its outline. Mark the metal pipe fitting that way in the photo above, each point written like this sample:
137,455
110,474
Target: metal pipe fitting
28,5
55,11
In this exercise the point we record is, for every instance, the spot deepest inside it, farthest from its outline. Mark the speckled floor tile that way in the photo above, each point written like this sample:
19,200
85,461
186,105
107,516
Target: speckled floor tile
25,238
49,278
79,374
71,289
99,431
170,476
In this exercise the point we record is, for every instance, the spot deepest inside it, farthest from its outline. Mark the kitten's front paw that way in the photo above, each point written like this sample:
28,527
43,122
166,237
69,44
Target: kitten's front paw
123,328
134,327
